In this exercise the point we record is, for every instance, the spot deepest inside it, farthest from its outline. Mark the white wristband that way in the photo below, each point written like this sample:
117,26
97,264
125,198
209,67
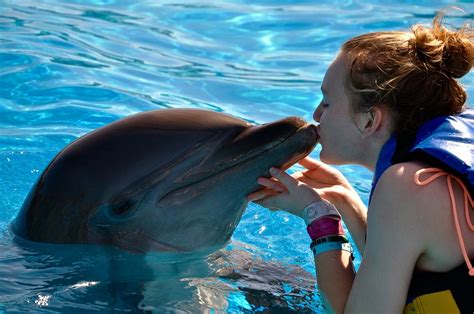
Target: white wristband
317,210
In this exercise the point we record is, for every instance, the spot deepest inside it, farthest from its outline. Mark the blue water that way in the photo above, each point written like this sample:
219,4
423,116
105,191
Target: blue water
69,67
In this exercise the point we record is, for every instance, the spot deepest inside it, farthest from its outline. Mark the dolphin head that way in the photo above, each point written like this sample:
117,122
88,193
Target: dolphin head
172,179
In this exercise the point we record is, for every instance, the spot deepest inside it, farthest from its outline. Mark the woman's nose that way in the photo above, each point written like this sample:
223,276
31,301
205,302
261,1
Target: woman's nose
317,113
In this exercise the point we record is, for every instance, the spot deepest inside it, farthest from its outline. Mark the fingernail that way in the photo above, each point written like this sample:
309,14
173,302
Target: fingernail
273,171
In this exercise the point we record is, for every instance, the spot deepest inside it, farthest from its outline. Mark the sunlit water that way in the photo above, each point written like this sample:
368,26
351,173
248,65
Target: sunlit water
69,67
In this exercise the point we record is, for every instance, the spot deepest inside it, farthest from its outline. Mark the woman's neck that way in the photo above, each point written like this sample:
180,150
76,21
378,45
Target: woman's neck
372,150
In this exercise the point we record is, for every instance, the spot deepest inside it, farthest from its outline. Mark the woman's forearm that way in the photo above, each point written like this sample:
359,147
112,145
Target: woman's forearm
354,215
335,275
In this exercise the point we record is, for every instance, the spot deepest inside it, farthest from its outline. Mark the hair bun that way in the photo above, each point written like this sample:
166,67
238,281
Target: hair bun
459,56
440,49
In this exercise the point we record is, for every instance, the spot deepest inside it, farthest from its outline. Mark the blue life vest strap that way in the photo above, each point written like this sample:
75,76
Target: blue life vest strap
446,142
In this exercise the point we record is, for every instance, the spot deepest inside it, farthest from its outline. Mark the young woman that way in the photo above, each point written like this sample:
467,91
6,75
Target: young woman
391,103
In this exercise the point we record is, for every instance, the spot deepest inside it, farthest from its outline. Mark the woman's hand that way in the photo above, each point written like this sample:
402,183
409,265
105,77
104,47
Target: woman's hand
328,182
284,192
293,193
318,181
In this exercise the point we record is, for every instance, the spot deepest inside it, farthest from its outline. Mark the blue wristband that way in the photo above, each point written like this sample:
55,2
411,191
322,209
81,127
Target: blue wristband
331,246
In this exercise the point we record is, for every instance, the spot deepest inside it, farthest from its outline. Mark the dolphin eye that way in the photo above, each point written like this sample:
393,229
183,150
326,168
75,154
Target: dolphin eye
122,207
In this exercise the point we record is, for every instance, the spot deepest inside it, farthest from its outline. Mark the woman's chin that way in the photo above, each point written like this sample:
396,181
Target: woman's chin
323,157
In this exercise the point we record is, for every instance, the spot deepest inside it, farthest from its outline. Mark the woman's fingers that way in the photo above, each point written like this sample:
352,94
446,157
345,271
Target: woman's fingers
270,202
311,182
272,184
271,188
310,163
288,181
268,199
284,192
260,194
317,169
321,172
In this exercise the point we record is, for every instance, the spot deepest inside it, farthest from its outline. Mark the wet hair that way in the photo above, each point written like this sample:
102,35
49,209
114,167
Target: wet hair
413,74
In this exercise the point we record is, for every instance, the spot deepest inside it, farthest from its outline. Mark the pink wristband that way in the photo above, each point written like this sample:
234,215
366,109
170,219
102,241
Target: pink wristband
325,226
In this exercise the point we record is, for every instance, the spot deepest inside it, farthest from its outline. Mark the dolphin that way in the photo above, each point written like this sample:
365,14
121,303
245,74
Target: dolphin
163,180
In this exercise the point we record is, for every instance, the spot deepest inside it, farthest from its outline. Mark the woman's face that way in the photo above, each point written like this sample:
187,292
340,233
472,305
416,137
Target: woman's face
339,136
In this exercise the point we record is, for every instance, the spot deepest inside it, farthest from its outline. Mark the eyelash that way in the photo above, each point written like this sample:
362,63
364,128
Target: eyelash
324,104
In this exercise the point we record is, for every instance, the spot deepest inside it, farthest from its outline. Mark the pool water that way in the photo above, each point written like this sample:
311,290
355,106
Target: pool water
69,67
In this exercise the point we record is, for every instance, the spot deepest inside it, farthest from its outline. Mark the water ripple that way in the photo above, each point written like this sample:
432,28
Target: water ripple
69,67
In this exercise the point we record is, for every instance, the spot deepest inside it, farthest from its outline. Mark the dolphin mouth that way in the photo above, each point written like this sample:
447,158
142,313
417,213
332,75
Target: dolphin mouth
303,127
297,143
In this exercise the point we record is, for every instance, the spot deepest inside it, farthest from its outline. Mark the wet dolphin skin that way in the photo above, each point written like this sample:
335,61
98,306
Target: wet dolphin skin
171,179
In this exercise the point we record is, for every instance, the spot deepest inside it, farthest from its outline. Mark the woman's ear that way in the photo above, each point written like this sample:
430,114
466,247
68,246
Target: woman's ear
372,121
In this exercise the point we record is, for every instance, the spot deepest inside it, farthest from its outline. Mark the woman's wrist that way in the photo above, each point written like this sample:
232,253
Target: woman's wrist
318,209
327,234
300,206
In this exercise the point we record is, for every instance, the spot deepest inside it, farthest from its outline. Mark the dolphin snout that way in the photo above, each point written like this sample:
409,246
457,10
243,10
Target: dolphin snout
315,129
295,121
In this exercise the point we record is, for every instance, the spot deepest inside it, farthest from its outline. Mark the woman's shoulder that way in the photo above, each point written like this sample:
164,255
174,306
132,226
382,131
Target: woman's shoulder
409,204
426,210
400,179
403,180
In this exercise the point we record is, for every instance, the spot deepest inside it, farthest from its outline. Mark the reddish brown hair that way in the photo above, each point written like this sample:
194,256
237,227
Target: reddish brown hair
414,74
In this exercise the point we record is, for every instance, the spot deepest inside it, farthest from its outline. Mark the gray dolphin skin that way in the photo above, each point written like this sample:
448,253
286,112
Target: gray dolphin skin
163,180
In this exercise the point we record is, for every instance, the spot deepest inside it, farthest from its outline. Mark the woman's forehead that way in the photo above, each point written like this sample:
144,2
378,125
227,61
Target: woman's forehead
335,75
